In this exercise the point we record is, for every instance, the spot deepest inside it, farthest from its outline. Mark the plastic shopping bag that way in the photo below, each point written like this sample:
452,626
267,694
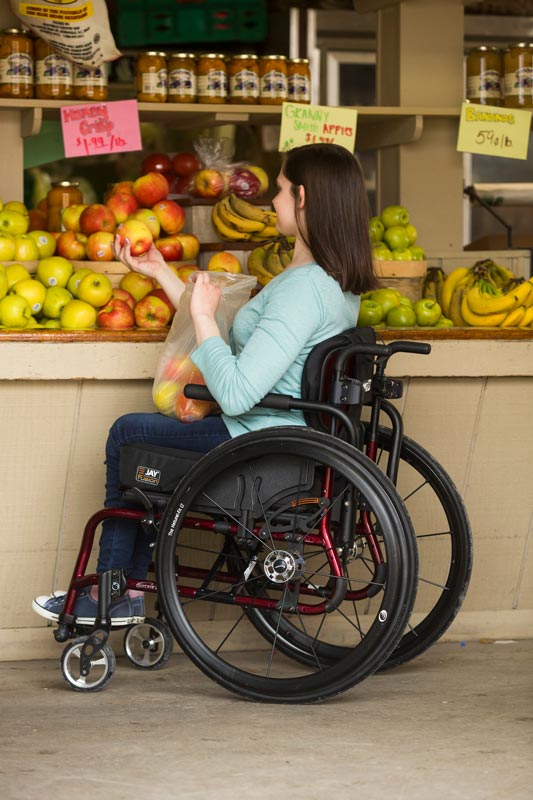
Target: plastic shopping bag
175,368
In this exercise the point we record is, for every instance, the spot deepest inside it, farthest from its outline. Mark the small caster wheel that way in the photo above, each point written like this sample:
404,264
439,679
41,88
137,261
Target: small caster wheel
101,671
148,644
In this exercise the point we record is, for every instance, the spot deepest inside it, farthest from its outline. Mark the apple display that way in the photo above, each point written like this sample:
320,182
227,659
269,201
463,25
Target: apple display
46,243
152,312
209,183
123,186
12,222
70,217
401,316
138,235
417,253
380,252
394,215
396,237
402,254
244,183
427,311
376,229
156,162
54,271
412,233
370,313
97,217
170,248
224,262
32,291
261,175
100,246
122,204
15,273
137,285
56,298
190,244
16,205
77,315
72,245
25,248
149,189
164,297
116,315
76,278
387,298
185,164
95,289
170,215
126,297
15,311
7,247
147,216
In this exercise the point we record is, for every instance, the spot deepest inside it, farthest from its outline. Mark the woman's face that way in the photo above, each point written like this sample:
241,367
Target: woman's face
284,205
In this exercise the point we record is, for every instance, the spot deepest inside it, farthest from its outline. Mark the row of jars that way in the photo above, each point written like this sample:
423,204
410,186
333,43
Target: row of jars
216,78
495,77
29,67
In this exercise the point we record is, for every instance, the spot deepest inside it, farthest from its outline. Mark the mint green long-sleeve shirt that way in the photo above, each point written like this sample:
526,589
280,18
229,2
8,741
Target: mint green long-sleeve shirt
272,336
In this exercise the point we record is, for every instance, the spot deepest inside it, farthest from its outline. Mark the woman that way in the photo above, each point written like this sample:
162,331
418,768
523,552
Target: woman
322,202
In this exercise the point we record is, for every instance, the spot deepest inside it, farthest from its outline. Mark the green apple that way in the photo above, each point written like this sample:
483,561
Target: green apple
54,271
46,243
443,322
387,298
396,237
417,253
32,323
376,229
401,317
25,248
394,215
406,301
78,315
402,254
3,281
370,313
15,273
95,289
33,291
12,222
7,247
412,233
380,252
56,299
76,278
52,323
427,311
14,311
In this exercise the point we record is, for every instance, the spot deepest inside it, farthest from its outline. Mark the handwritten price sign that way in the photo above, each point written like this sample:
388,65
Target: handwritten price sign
493,131
97,128
303,124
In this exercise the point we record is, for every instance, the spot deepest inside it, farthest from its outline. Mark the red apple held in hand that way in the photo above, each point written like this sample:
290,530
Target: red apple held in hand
122,204
147,216
70,217
170,215
137,285
97,217
72,245
149,189
164,297
156,162
244,183
138,235
185,164
116,315
100,246
208,183
170,248
152,312
126,297
190,245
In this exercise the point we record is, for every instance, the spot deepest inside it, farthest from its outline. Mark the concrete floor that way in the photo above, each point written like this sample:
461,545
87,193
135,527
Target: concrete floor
456,723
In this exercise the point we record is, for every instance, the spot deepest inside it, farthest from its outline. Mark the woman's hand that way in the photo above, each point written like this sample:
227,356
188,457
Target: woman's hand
205,298
150,264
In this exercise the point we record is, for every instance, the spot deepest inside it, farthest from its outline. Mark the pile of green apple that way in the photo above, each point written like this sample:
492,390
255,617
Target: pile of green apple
393,237
17,242
389,308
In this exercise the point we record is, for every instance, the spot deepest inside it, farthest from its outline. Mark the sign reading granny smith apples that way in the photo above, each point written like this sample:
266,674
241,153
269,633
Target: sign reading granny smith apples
92,129
494,131
303,124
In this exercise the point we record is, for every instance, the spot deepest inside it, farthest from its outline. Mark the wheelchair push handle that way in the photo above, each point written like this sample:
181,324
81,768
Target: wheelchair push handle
281,402
382,351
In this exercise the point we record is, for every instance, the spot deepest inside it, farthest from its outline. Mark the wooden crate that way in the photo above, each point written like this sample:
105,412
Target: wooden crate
406,276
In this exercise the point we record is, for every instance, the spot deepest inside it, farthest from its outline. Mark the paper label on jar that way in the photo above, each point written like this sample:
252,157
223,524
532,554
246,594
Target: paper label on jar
485,85
182,81
518,83
90,77
274,84
17,68
245,83
214,84
53,69
154,82
299,89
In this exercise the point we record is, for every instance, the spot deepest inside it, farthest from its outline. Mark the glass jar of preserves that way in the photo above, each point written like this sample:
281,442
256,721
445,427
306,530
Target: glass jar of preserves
299,80
16,63
484,76
518,76
243,79
53,73
152,77
182,78
60,196
212,78
90,84
273,85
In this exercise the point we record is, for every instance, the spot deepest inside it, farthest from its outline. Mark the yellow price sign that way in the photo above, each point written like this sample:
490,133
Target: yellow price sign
494,131
303,124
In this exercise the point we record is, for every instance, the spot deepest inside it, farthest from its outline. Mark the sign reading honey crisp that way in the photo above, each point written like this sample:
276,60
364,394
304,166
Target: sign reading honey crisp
303,124
93,129
494,131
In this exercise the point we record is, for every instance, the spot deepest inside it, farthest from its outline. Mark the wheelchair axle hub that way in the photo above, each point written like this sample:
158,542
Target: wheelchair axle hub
282,567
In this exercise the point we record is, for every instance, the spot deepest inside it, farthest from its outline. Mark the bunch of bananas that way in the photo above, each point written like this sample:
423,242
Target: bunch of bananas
269,259
433,284
487,295
237,220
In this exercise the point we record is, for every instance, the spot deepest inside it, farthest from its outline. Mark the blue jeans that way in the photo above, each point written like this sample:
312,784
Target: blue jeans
123,545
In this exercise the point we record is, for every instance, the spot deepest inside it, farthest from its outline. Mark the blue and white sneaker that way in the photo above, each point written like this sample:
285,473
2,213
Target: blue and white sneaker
123,611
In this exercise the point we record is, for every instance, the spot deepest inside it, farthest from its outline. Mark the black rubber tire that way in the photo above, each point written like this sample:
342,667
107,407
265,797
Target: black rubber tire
148,644
388,612
102,667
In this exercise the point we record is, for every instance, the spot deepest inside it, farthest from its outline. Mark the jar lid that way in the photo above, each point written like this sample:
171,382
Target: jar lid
163,55
212,55
274,58
64,184
302,60
16,31
245,55
484,49
150,53
182,55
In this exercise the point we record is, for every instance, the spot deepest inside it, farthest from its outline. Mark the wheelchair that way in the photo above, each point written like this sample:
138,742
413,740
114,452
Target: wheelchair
293,562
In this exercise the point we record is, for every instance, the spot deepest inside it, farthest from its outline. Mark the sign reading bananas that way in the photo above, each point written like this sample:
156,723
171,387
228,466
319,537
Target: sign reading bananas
494,131
303,124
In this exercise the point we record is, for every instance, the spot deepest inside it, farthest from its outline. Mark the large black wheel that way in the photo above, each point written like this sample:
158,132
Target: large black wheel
309,540
444,542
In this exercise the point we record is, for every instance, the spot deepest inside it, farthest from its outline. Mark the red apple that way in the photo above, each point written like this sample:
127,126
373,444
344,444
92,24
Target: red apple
178,369
122,204
72,245
181,185
208,183
156,162
138,234
152,312
184,272
190,245
170,215
163,296
137,285
185,164
38,220
123,187
97,217
126,297
170,248
100,246
149,189
147,216
244,183
116,314
70,217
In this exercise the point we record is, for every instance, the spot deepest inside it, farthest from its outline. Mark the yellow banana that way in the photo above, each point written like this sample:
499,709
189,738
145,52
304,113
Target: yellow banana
269,232
454,307
228,216
285,258
273,263
479,320
500,274
449,286
256,258
529,299
482,302
224,231
527,319
245,209
270,218
513,318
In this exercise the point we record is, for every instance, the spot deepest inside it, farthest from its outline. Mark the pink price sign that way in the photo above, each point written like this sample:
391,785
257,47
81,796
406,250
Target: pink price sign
93,129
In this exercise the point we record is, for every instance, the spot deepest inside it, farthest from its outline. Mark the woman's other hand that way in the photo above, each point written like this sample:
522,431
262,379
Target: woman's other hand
205,298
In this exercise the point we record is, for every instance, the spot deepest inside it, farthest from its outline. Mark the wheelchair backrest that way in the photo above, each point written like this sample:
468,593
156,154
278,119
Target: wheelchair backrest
318,372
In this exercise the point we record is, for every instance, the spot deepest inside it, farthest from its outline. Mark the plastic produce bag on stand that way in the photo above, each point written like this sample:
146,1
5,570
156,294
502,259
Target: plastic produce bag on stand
176,368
